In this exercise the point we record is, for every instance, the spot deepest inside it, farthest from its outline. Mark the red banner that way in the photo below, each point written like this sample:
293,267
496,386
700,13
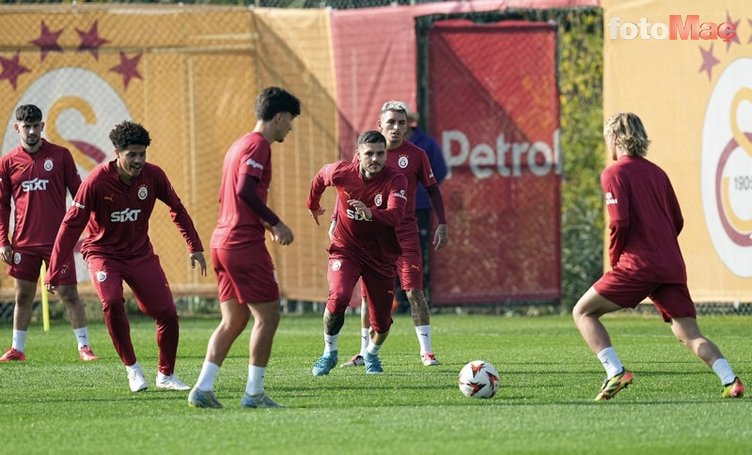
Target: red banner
494,108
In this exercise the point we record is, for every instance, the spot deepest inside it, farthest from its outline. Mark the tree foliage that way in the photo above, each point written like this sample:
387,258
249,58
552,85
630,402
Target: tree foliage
581,93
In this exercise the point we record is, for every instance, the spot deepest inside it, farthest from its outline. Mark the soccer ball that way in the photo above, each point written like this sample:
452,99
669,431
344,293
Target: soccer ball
479,379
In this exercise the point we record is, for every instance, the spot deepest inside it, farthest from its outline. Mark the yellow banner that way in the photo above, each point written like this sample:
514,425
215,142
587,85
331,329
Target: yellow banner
190,76
685,67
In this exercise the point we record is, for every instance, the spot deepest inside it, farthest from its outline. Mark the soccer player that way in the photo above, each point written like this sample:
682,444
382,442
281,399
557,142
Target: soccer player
245,273
35,176
114,204
423,209
645,220
413,162
372,200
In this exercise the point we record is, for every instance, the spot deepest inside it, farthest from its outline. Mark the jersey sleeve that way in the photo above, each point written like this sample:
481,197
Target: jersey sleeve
323,178
425,173
616,192
5,198
395,207
246,192
256,158
72,178
166,193
676,214
73,224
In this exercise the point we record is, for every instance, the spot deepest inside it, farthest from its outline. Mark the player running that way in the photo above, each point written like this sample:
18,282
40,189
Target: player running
372,199
413,162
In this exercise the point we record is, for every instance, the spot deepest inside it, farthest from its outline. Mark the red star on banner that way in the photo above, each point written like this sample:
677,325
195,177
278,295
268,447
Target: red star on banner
708,60
128,67
12,69
735,39
47,41
90,41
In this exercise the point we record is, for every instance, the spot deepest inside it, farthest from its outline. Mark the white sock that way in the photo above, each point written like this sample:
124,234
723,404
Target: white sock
365,337
424,337
724,371
205,379
136,366
82,336
255,384
330,343
19,340
373,348
610,362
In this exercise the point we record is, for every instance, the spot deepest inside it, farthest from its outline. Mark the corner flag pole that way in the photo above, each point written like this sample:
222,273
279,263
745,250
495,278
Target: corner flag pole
45,300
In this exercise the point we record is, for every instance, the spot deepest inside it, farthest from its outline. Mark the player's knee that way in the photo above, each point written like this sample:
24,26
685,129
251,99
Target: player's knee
166,316
578,312
381,325
234,323
267,321
69,295
113,308
416,297
25,297
338,303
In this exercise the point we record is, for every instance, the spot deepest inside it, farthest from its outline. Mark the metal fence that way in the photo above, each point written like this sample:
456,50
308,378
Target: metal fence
335,4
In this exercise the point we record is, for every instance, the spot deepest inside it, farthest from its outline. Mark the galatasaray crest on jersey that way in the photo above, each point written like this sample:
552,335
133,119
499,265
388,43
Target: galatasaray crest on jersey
402,162
143,192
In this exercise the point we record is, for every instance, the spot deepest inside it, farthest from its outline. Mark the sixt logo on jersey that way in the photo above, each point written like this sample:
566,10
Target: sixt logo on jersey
354,215
36,184
123,216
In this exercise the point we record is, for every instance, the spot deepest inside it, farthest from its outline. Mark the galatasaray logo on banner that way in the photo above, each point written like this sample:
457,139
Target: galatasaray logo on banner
726,168
66,82
79,89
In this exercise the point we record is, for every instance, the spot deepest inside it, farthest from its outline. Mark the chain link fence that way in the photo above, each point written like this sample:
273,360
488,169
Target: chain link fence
229,58
334,4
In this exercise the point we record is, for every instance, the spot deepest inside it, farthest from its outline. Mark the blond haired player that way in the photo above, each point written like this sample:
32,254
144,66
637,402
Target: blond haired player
645,220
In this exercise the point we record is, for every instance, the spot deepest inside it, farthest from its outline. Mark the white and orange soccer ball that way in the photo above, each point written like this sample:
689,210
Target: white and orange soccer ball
479,379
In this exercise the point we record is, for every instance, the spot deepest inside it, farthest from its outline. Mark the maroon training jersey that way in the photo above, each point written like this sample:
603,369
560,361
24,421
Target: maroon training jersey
413,162
116,216
37,183
237,223
645,220
375,240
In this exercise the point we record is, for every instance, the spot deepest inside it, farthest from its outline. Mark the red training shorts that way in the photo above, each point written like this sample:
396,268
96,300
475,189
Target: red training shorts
27,262
671,299
246,274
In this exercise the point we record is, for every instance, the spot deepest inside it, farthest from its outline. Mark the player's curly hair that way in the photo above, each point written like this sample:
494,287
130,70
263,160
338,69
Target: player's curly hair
629,132
128,133
371,137
28,113
273,100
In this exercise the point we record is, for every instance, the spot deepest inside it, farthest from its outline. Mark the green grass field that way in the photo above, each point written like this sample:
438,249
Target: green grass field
54,403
